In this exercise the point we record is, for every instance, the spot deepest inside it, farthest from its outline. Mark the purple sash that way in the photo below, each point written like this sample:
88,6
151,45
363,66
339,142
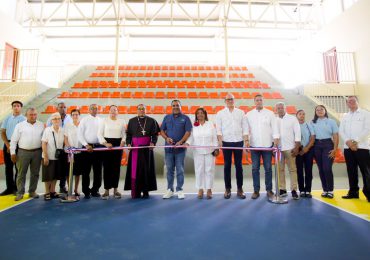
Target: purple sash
136,141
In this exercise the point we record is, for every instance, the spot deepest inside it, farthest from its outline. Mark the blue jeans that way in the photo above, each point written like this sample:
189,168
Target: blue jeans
266,157
174,160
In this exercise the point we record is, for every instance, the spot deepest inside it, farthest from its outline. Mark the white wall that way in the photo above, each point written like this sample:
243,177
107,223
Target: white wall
51,69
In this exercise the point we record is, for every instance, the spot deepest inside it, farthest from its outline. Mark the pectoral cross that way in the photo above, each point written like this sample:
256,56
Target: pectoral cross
143,132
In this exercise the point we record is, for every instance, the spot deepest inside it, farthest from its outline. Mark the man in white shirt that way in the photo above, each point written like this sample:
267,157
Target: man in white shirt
88,136
63,160
27,136
290,141
232,131
263,133
354,129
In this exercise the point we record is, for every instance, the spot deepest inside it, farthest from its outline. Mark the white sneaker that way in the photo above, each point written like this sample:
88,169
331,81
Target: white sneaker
168,194
180,195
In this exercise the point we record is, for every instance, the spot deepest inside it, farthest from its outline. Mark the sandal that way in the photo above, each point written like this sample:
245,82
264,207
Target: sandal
47,196
117,195
209,194
200,194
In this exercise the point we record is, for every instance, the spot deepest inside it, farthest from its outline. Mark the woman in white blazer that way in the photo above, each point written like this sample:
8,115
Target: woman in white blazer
203,134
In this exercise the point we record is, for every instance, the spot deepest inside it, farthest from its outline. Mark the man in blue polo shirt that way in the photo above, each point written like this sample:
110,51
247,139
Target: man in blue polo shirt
175,129
7,129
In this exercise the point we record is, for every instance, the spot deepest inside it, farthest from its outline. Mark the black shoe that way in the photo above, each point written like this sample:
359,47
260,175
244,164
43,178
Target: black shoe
6,192
145,195
295,195
96,194
87,196
283,193
308,195
350,196
302,194
63,190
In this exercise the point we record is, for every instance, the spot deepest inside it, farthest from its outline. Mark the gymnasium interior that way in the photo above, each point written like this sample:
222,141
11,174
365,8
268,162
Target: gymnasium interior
130,52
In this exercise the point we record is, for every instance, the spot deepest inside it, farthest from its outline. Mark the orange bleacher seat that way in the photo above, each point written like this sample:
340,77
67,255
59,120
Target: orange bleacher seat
209,109
195,75
105,94
192,95
269,108
265,86
122,109
106,110
148,109
203,95
84,109
244,108
236,95
50,110
185,109
168,110
246,95
123,84
94,95
291,109
70,108
223,95
171,95
149,95
193,109
74,95
160,95
220,159
181,95
218,108
158,110
138,95
126,95
124,159
115,94
1,157
266,95
64,95
277,95
339,158
132,110
214,95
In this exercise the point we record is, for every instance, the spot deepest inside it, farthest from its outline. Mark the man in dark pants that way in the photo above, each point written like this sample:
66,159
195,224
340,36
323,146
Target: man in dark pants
66,119
232,131
7,129
355,132
88,137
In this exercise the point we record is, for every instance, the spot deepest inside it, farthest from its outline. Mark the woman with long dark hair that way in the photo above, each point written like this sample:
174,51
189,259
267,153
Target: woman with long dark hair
325,147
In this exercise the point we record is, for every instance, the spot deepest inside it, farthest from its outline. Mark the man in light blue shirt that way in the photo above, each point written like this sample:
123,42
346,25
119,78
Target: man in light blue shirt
7,129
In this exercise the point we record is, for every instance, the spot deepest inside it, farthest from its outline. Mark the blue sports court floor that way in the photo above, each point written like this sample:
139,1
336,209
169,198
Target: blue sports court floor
188,229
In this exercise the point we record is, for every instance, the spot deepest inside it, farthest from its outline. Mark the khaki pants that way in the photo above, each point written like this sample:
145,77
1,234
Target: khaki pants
286,157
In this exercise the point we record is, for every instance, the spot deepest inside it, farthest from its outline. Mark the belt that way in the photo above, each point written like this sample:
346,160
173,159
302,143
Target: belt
30,150
323,140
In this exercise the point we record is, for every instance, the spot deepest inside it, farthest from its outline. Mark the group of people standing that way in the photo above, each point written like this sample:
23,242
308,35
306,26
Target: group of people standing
28,144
